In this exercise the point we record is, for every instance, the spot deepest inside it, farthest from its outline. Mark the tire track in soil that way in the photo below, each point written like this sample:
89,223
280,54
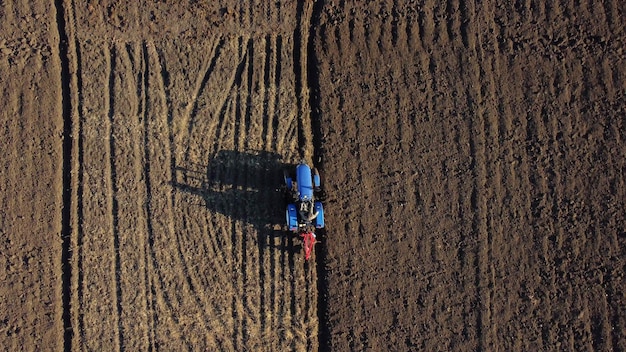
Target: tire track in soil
254,280
114,197
263,239
218,127
74,334
222,108
268,106
301,82
68,166
192,108
140,56
238,250
126,132
248,303
277,84
286,242
191,281
241,142
78,262
274,78
150,254
158,287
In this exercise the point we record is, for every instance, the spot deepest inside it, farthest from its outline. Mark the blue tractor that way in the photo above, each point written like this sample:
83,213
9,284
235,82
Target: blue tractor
305,212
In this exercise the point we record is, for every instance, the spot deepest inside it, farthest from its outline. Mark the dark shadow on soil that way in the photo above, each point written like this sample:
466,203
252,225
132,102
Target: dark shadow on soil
313,75
66,221
245,186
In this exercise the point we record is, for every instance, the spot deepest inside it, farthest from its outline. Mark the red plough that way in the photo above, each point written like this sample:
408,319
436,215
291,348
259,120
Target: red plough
308,240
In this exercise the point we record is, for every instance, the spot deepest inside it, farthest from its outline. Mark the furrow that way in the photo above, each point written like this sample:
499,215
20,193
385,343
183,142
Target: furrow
78,304
114,198
319,319
148,238
191,114
69,162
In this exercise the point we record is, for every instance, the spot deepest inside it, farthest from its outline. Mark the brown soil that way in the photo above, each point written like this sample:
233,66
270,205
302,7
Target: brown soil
472,155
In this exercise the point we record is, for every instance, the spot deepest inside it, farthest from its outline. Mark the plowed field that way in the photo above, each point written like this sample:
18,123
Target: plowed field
472,155
478,159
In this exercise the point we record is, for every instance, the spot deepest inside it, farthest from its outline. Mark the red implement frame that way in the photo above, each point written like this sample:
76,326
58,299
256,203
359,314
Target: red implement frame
308,239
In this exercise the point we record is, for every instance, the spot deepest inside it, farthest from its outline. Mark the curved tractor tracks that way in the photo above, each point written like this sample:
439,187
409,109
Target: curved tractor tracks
171,156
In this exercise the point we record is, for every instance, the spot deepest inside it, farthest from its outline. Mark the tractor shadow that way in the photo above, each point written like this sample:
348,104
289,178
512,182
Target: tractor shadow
246,187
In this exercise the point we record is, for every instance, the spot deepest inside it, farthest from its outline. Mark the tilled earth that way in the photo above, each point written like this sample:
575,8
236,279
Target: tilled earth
472,155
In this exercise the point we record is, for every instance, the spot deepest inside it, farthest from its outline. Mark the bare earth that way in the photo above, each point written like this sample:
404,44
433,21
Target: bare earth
472,155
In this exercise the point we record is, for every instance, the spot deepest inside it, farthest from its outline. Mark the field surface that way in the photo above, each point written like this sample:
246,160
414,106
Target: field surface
472,155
